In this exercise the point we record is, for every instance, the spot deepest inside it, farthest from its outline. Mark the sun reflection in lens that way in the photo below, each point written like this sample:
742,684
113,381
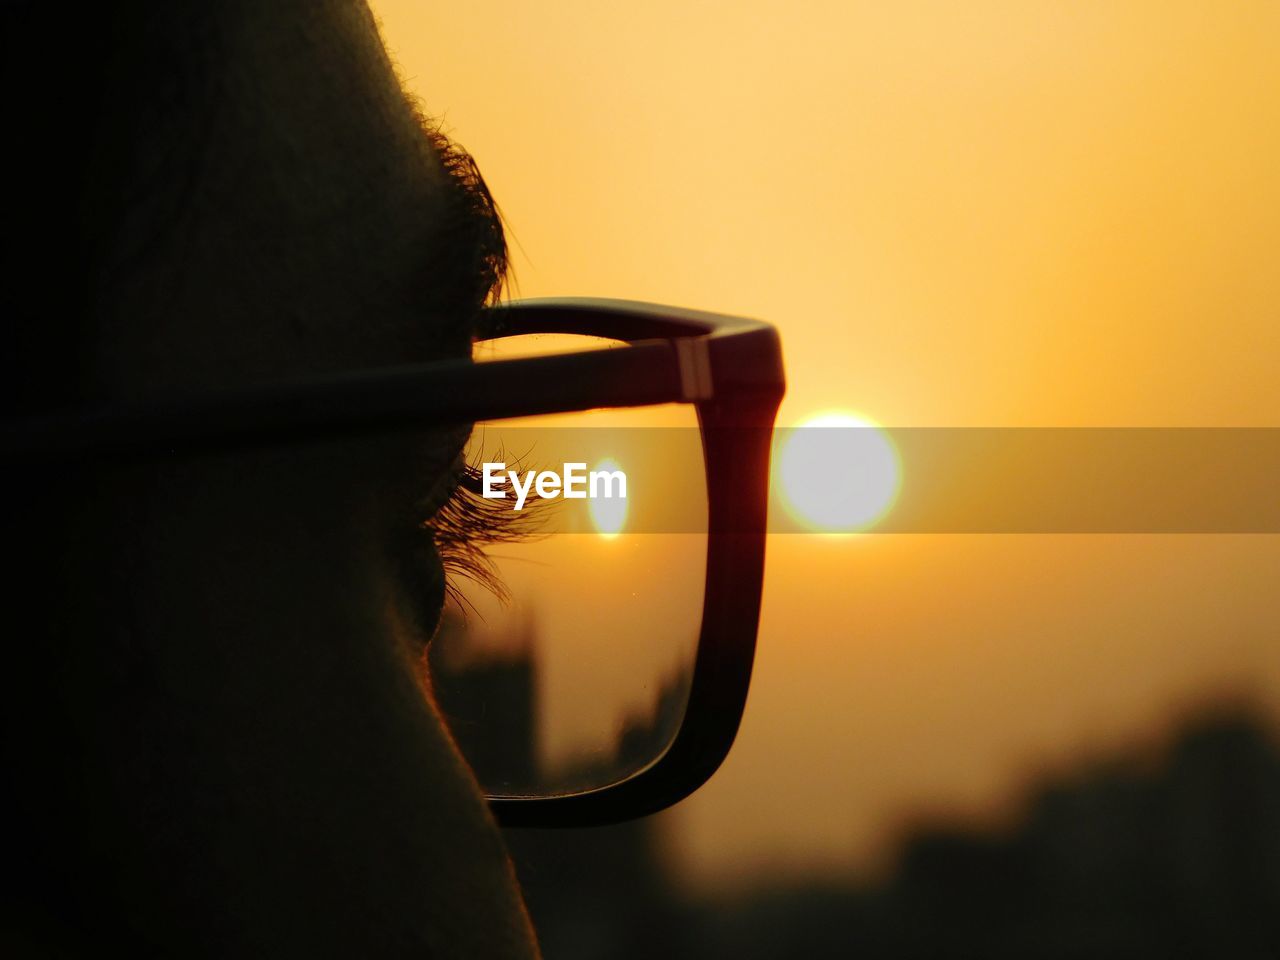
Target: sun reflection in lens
608,514
837,471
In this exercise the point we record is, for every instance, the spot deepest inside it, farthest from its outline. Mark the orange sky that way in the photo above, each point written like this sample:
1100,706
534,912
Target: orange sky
981,214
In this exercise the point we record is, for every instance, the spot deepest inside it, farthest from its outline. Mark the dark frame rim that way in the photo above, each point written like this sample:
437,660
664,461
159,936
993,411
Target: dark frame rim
744,384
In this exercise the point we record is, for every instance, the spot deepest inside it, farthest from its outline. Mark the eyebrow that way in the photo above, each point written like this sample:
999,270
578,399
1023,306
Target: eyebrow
473,249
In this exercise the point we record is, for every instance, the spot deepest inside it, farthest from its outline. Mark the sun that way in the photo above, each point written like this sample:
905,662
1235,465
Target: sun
608,515
837,472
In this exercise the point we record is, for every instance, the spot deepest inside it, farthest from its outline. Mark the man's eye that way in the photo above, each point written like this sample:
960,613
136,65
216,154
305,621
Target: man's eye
466,524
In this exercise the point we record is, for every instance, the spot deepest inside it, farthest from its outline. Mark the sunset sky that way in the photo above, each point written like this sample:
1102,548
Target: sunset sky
988,214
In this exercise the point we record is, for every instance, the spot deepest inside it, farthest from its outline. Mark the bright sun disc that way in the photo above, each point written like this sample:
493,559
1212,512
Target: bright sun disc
837,472
608,514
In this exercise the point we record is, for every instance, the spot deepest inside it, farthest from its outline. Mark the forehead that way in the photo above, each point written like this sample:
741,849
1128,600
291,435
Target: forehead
304,220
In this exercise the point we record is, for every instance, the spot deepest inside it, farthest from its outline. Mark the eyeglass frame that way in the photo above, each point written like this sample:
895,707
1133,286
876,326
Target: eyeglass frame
729,368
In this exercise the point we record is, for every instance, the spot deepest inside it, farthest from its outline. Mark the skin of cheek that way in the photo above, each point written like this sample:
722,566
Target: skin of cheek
260,765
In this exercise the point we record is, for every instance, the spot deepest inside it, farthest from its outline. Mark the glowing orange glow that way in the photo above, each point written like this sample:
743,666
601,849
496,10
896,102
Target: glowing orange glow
979,214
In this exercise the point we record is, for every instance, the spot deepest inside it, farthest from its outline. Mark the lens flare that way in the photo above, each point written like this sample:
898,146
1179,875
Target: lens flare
838,472
608,514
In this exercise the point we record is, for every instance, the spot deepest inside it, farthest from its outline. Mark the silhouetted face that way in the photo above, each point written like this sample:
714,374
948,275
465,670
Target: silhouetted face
237,755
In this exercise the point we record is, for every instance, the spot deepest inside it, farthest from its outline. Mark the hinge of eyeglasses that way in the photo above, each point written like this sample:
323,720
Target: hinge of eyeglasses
695,368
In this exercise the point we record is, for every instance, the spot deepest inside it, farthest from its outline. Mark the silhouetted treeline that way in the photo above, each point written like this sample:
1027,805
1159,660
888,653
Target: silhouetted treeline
1123,858
1179,859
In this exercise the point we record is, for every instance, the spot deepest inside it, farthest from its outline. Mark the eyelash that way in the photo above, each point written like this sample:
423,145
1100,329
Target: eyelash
465,524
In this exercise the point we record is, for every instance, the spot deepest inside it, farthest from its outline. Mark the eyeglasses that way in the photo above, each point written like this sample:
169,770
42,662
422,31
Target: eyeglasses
728,369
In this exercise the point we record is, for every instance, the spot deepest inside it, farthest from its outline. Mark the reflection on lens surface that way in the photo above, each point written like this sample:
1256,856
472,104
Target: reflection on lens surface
609,514
563,688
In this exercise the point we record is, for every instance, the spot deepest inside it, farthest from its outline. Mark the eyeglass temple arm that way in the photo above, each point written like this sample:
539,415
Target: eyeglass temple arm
698,356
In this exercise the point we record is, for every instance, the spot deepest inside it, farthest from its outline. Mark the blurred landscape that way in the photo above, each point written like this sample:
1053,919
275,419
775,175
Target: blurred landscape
1126,858
1171,850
